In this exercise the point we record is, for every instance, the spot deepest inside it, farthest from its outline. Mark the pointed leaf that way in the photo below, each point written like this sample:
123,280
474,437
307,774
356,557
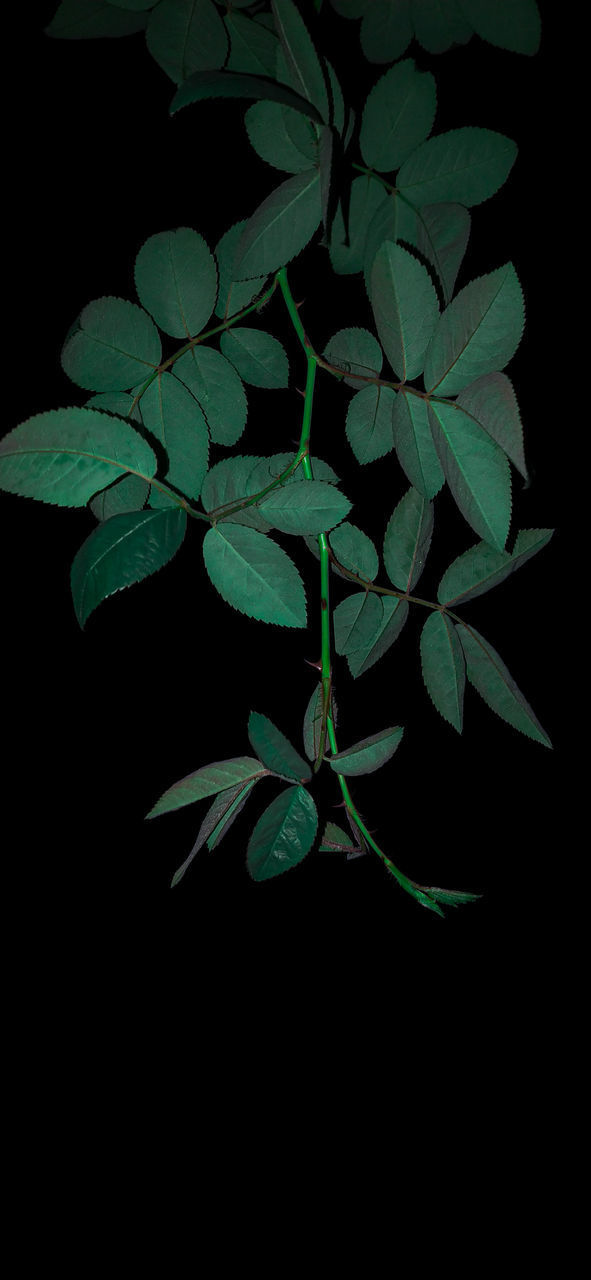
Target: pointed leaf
478,332
407,540
313,721
465,166
369,754
281,226
114,346
397,116
254,575
356,621
512,24
369,423
123,550
282,137
253,49
91,19
405,308
491,401
393,219
386,30
414,445
235,84
487,672
185,36
207,781
442,233
356,351
481,568
256,355
439,26
274,750
233,295
308,75
218,388
173,415
355,550
334,839
67,455
388,627
365,197
176,281
313,507
443,667
283,835
219,817
476,471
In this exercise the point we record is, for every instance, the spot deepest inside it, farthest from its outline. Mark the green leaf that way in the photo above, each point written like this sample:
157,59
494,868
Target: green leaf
229,481
369,423
283,835
439,26
511,24
405,308
67,455
118,402
407,540
135,5
355,550
186,36
278,135
386,30
88,19
172,414
232,295
369,754
476,471
350,8
481,568
219,817
253,49
236,84
253,574
450,897
268,469
398,115
127,494
281,226
330,163
207,781
356,351
338,101
114,346
465,166
313,507
442,233
387,628
414,445
491,401
220,392
176,281
257,356
478,332
356,621
274,750
347,257
313,721
307,71
334,839
393,219
123,550
488,674
443,667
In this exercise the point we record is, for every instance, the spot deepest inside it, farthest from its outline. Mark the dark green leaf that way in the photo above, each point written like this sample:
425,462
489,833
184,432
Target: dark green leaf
397,116
257,356
414,445
393,219
127,494
207,781
220,392
407,540
123,550
307,71
219,817
465,166
355,550
282,137
253,574
442,232
476,471
369,754
405,308
186,36
356,621
348,257
274,750
388,626
478,332
491,401
439,26
122,403
114,346
173,415
443,667
313,507
512,24
369,423
232,296
87,19
235,84
481,568
386,30
313,721
356,351
283,835
489,675
176,281
281,226
269,468
253,49
229,481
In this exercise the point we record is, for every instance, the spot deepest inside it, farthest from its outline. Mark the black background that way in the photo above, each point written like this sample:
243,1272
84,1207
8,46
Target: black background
98,723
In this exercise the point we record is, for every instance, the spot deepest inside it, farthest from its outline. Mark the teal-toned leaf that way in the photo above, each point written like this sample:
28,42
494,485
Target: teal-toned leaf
173,415
127,494
482,567
511,24
221,814
478,332
186,36
122,403
135,5
387,628
89,19
114,346
488,674
254,575
407,540
236,84
253,49
366,196
328,163
338,101
313,507
465,166
233,295
281,226
398,115
414,445
443,667
492,402
207,781
274,750
405,308
269,468
229,481
355,550
356,621
393,219
442,233
356,351
123,550
334,839
307,70
283,835
439,25
386,30
369,423
282,137
218,388
176,281
350,8
257,356
369,754
67,455
313,721
476,471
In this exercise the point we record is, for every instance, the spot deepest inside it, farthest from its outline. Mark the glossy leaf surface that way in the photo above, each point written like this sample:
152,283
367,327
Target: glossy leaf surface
121,551
283,835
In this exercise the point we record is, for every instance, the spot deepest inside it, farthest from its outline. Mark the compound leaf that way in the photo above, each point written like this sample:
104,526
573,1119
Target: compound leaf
313,507
398,115
123,550
478,332
407,540
465,166
369,754
256,355
176,281
274,750
483,567
355,350
476,471
414,445
283,835
207,781
229,481
186,36
114,345
405,308
488,674
492,402
443,667
253,574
